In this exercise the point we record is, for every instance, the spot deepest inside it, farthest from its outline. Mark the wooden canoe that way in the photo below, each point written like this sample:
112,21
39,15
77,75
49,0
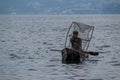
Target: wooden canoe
70,56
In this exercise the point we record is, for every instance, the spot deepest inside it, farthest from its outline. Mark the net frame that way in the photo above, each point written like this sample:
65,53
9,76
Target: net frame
83,28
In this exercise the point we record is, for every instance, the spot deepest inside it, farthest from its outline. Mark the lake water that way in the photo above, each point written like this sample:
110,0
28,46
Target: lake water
26,40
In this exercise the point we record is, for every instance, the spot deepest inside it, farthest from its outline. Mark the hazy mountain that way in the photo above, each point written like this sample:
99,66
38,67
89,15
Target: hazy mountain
59,6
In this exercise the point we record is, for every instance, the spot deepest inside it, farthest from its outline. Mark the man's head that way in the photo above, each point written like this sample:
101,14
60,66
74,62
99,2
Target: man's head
75,34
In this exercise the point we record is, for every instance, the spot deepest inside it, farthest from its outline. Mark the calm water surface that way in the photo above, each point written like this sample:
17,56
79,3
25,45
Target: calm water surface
26,40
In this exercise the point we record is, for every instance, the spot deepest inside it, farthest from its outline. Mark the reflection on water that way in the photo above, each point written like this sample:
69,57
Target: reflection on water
25,43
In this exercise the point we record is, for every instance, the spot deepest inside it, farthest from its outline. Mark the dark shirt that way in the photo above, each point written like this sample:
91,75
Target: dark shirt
76,43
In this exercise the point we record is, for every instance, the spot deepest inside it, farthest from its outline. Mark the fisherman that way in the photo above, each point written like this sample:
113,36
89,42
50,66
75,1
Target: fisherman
76,42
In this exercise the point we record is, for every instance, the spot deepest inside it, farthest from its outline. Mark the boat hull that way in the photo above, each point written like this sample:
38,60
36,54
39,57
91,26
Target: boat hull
70,56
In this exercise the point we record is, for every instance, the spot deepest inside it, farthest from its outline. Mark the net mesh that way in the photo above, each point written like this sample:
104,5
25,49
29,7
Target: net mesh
84,32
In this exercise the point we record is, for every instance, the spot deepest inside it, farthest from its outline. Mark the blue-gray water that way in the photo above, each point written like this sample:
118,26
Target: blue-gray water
26,40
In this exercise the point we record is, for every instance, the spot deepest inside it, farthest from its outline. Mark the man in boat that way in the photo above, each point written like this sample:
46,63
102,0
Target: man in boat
76,43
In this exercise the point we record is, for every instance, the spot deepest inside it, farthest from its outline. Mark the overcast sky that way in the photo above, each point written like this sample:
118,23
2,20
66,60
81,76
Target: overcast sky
59,6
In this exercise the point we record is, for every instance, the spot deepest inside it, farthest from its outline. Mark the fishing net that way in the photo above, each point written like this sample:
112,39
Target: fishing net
84,32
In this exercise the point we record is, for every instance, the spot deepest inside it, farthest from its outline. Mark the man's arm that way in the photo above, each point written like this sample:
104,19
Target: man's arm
71,40
80,44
